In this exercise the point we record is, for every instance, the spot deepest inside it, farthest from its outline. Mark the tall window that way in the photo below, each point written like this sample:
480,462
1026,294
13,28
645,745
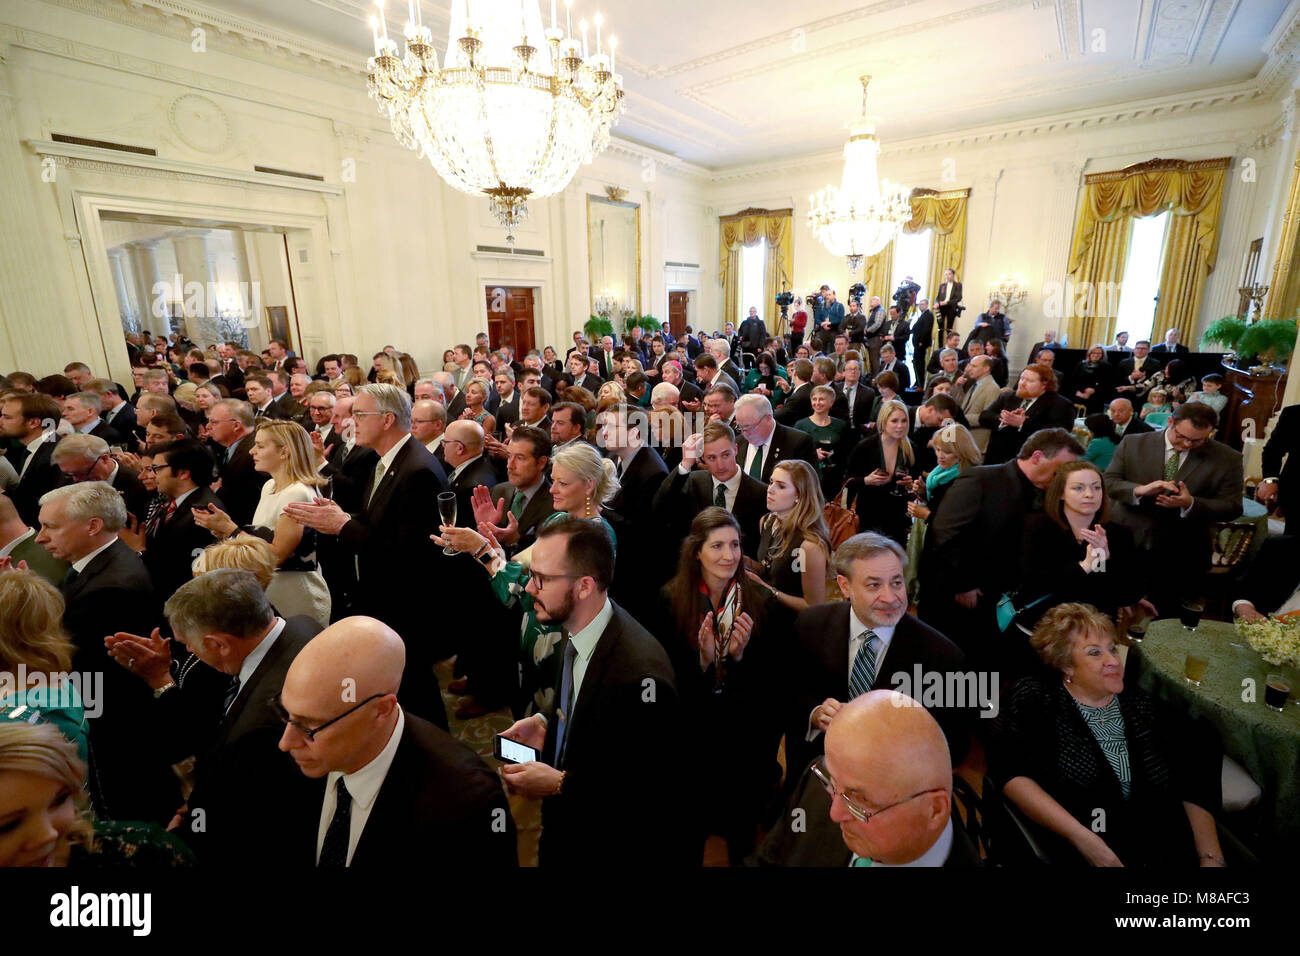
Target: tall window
1137,295
753,259
911,258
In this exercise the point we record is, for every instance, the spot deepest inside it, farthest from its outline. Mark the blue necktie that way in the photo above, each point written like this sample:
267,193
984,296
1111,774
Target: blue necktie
864,666
565,704
334,850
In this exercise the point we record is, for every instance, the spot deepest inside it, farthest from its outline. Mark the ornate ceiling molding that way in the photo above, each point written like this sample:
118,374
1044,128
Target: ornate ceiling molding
1157,166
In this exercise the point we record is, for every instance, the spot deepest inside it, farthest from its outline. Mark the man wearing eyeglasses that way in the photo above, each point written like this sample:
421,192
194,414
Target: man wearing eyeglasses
88,458
1170,487
225,620
763,442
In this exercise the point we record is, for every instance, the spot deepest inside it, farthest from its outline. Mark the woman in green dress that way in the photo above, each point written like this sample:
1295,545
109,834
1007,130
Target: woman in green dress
476,395
581,482
767,378
828,435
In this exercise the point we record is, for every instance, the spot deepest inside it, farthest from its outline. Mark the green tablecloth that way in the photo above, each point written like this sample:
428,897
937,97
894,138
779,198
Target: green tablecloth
1265,742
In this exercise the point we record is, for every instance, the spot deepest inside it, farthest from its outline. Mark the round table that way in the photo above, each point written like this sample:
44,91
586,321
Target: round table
1265,742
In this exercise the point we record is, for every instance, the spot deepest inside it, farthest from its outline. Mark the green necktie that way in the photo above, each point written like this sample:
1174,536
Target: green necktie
517,505
374,484
862,861
1171,466
720,495
756,466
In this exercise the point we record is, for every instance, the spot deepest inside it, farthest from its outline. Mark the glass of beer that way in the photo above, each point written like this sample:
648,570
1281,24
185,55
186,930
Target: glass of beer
1276,690
1190,613
1137,630
1194,669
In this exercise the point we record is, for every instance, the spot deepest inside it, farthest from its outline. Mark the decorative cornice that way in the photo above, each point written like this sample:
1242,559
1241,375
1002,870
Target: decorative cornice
747,213
1157,166
922,191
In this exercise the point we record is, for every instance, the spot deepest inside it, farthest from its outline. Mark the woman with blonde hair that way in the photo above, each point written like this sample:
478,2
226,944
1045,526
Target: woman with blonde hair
476,396
610,390
46,818
243,551
283,450
33,642
795,545
956,451
880,472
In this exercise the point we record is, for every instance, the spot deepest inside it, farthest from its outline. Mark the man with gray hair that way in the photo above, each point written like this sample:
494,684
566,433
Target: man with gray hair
224,618
87,458
388,539
426,389
865,642
763,442
107,589
118,414
81,410
720,349
230,424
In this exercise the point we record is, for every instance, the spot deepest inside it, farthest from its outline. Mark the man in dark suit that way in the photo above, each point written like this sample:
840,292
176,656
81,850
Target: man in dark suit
882,751
891,362
798,405
224,618
977,538
1170,487
18,544
722,483
230,369
1014,416
856,398
896,332
603,353
947,302
1135,373
623,433
28,421
389,540
282,398
867,642
764,443
854,326
230,423
87,458
507,413
922,339
689,395
261,397
82,412
106,590
578,374
1120,411
462,445
616,694
118,414
1281,480
172,539
1170,348
1272,582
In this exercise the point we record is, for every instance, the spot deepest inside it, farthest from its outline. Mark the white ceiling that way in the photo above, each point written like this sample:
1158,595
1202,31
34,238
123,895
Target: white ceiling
727,82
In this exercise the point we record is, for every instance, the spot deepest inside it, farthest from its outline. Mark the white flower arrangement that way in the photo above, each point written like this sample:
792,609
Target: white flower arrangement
1277,639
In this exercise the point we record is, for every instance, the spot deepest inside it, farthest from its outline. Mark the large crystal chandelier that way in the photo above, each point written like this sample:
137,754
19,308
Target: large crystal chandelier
513,111
865,213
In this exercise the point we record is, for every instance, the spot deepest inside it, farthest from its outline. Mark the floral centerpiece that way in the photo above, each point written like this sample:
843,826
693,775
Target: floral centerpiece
1277,639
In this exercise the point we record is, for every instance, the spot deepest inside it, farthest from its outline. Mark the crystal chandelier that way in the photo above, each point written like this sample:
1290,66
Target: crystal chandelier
513,111
865,213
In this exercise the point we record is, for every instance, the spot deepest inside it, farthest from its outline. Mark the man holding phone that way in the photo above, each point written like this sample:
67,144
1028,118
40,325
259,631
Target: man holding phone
610,742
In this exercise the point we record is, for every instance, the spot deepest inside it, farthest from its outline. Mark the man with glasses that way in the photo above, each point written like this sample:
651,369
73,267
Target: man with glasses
230,427
881,796
224,618
1170,487
88,458
428,425
610,744
320,407
439,800
763,442
183,471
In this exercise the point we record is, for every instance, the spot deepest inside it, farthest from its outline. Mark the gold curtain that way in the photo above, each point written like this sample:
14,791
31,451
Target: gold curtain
748,228
945,214
1192,191
878,272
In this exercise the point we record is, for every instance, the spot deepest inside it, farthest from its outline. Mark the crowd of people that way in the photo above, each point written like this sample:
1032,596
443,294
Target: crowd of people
693,569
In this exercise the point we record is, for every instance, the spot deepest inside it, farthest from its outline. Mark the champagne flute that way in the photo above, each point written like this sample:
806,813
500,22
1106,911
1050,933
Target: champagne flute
447,511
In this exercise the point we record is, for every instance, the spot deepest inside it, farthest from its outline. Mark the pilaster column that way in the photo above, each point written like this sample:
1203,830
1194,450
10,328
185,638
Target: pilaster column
194,265
147,275
122,286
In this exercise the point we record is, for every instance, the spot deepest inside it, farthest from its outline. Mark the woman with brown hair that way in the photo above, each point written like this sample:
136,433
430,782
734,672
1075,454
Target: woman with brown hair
794,548
721,630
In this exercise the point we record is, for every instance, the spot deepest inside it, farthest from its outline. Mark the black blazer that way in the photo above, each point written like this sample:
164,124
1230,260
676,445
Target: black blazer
170,553
42,475
797,406
1274,574
241,483
540,507
627,704
135,494
681,497
1050,410
107,432
899,369
507,413
242,756
786,444
1285,441
637,486
1051,566
602,359
923,331
820,669
588,381
122,420
478,472
864,397
1164,352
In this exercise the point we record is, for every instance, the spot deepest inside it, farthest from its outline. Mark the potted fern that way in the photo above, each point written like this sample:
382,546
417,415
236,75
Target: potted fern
596,327
1272,340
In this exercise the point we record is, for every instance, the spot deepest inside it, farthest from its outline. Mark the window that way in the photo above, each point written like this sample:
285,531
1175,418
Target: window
1137,295
911,258
753,260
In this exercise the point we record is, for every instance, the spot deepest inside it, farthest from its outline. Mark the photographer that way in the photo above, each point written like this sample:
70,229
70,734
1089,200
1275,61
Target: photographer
905,295
947,302
829,319
855,323
874,336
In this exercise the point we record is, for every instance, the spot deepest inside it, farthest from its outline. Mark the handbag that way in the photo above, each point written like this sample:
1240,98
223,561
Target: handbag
1008,612
841,521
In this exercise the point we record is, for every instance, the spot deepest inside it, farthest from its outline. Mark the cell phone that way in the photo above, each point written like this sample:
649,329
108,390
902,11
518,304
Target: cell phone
116,449
511,751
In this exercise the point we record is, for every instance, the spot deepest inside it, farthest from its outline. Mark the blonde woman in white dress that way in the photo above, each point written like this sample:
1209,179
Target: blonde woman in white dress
282,450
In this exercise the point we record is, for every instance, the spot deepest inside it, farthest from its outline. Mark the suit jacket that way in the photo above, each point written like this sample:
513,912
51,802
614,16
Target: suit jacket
1213,474
605,361
274,410
107,432
820,669
478,472
923,331
1274,574
1167,353
42,475
507,413
854,325
540,507
122,420
637,487
682,497
864,397
241,756
753,334
1150,365
628,704
900,369
797,407
588,381
170,552
1049,410
950,291
1136,426
241,483
233,375
1284,440
978,396
785,444
135,494
39,561
900,329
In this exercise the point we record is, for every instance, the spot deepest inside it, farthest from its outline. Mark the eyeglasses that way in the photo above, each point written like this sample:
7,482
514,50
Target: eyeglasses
154,468
541,579
356,414
859,813
1190,442
311,732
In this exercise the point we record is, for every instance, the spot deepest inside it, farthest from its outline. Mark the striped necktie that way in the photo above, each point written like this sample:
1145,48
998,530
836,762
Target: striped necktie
864,666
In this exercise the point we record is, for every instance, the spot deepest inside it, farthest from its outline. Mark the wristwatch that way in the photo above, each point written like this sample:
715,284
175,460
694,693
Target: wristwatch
158,692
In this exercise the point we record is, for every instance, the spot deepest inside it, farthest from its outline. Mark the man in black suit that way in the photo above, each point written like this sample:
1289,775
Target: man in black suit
230,423
28,421
1170,348
87,458
261,397
462,445
1282,480
616,695
507,413
882,751
798,405
118,414
623,431
891,362
896,332
107,590
1169,488
230,369
729,372
1120,411
1135,373
764,443
172,539
1014,416
867,642
854,326
977,538
282,398
922,339
856,398
722,483
689,395
1272,582
224,618
578,374
947,302
81,409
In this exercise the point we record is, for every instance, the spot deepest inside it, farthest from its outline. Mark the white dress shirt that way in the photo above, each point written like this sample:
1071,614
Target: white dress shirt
255,656
732,486
857,637
33,447
754,449
937,855
585,641
9,548
363,786
80,564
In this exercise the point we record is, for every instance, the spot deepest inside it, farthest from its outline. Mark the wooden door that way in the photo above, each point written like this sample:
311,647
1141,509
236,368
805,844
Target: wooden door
510,319
677,304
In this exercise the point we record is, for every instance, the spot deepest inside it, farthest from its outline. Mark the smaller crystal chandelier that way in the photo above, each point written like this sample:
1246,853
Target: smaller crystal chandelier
1009,289
860,217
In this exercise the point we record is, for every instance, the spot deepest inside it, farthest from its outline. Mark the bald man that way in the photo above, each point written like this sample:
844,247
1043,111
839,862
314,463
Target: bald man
881,796
468,467
395,791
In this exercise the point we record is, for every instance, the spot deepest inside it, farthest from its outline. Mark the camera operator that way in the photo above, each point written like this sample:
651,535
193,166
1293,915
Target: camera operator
947,302
830,317
905,295
874,335
855,323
